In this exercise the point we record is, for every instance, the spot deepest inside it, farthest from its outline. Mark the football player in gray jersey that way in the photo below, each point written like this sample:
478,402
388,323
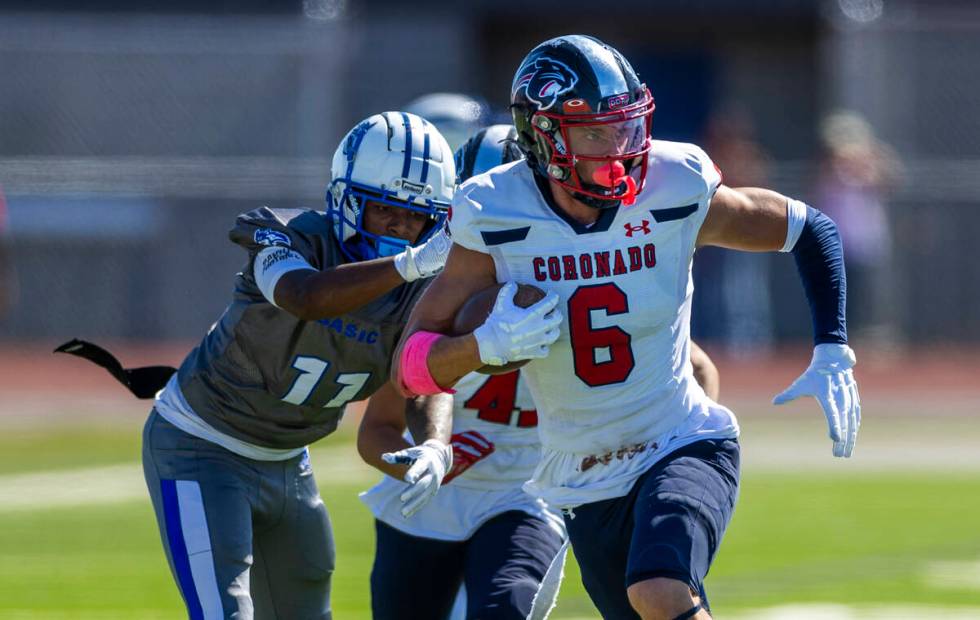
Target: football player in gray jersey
313,323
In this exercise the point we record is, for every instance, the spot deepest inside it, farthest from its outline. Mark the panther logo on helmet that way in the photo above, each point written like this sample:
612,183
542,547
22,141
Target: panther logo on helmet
546,80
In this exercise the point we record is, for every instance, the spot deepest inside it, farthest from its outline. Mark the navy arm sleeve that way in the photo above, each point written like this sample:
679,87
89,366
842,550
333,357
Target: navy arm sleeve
819,256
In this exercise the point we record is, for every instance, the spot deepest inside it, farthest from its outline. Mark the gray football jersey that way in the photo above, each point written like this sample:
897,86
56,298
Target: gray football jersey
269,378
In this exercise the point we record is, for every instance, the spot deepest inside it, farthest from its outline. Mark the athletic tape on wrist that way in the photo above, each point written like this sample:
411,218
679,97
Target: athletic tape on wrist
413,368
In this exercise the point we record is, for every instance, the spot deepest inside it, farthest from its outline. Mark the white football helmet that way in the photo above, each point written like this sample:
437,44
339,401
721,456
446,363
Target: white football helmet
395,158
456,115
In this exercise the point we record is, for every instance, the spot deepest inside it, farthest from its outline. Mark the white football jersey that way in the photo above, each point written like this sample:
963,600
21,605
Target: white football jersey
500,408
617,387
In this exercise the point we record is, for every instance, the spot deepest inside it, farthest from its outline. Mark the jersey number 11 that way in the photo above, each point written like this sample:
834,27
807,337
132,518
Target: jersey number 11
311,371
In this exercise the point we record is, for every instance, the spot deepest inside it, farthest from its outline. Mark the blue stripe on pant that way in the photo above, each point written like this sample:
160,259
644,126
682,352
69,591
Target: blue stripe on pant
178,550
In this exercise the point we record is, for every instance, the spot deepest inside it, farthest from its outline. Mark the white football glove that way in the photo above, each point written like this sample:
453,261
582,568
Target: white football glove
830,380
426,260
512,333
428,463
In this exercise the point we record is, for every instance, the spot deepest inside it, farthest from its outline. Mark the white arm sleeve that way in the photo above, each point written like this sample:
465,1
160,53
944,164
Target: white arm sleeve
796,218
273,263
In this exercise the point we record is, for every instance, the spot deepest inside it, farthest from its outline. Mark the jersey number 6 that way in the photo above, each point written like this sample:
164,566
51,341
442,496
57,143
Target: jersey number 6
588,342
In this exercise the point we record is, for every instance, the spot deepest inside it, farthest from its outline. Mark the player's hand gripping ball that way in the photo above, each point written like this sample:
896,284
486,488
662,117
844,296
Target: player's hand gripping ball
511,334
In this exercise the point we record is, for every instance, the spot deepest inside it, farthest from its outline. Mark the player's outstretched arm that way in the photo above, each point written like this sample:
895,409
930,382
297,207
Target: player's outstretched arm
311,295
756,219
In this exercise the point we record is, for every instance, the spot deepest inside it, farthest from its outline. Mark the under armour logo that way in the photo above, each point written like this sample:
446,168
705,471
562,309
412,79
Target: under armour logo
644,227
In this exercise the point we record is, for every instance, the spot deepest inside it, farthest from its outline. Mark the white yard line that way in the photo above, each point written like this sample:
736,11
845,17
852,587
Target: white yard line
121,483
953,575
68,488
93,486
904,455
767,446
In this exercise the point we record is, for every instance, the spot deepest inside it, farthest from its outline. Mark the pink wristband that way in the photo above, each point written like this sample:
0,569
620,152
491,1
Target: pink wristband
413,369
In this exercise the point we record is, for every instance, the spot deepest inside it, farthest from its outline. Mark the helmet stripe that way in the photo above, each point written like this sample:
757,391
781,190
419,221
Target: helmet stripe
425,152
407,165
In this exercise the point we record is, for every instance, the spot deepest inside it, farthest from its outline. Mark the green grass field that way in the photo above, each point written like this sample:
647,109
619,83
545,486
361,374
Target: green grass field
864,538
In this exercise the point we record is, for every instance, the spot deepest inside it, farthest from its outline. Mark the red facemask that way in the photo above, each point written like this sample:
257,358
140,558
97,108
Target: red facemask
622,172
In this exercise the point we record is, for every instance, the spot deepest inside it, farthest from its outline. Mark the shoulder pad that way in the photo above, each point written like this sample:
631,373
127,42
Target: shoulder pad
292,228
464,214
681,173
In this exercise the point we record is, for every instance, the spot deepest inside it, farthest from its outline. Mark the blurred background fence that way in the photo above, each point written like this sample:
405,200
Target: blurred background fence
131,135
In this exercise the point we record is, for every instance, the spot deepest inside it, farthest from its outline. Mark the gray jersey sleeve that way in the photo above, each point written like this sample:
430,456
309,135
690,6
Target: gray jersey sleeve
299,229
302,233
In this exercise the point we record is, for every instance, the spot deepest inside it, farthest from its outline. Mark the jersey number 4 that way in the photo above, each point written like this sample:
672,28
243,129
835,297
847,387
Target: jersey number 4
588,343
496,400
311,371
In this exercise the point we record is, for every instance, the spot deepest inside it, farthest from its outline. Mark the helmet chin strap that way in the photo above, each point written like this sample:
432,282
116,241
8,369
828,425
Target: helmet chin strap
389,246
378,246
592,201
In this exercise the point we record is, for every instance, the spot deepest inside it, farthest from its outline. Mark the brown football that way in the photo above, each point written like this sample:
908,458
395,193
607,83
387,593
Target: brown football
477,308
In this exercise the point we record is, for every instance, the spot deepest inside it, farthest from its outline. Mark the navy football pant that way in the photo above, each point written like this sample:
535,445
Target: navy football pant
502,566
669,525
245,539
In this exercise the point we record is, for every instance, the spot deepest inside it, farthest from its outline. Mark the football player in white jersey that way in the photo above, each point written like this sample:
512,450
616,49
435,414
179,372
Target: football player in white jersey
607,220
483,530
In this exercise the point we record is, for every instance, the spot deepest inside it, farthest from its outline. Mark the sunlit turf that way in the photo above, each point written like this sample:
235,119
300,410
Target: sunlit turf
796,537
868,538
